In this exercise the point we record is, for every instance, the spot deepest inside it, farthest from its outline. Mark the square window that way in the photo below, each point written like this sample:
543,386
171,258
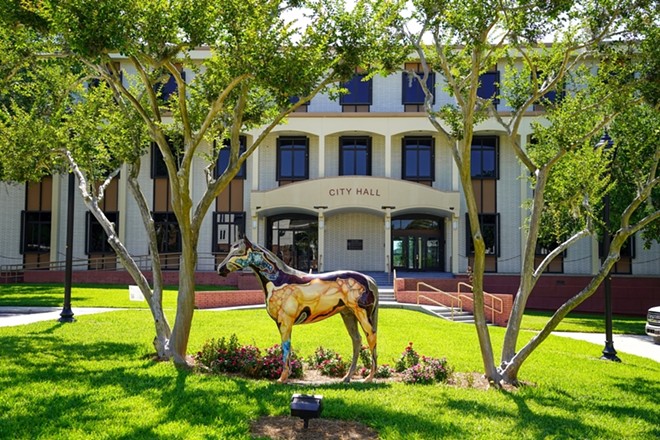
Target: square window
489,86
412,93
158,168
355,156
97,239
35,232
490,229
359,91
418,158
223,158
292,158
227,228
485,157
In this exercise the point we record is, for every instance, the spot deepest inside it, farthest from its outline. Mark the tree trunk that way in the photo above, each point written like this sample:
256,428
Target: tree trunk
185,309
491,372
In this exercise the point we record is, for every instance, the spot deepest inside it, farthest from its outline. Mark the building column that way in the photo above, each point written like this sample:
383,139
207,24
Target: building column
388,156
254,176
255,227
454,220
388,240
320,242
55,210
321,156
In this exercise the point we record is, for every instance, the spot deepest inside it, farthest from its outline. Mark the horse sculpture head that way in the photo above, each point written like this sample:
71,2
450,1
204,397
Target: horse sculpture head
244,254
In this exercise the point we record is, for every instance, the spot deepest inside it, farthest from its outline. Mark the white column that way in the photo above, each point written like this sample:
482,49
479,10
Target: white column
454,243
321,156
388,155
388,240
255,227
55,211
321,241
254,176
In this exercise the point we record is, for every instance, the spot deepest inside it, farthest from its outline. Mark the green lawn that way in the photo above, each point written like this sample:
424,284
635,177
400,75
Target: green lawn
82,295
95,379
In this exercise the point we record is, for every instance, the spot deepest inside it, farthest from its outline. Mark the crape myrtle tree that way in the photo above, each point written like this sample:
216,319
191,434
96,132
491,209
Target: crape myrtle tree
579,52
75,110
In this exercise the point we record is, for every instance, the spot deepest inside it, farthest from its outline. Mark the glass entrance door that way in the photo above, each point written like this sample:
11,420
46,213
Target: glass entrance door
417,244
295,240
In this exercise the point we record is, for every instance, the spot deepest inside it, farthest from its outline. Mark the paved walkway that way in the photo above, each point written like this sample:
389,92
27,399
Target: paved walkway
632,344
640,345
12,316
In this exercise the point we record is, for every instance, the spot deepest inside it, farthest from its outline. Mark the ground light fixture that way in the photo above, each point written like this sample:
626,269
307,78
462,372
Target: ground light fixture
306,407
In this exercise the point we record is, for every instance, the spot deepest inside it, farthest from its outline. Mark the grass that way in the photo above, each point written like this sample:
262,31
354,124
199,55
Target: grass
95,379
585,322
83,295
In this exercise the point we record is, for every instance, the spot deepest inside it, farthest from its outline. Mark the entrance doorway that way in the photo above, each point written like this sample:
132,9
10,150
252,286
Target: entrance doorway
418,243
294,239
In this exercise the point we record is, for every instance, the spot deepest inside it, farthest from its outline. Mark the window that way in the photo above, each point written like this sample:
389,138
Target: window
303,108
412,94
94,82
227,227
355,156
35,232
97,239
359,96
168,234
626,256
223,158
485,157
292,158
490,229
164,90
418,159
158,168
489,86
549,98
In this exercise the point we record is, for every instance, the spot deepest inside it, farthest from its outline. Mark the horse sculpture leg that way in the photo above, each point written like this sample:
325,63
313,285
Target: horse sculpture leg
351,323
285,333
368,321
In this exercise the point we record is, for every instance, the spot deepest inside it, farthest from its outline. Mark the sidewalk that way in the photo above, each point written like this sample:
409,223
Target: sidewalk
639,345
12,316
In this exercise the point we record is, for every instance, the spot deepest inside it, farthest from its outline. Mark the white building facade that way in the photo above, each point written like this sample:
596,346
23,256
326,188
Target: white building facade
362,183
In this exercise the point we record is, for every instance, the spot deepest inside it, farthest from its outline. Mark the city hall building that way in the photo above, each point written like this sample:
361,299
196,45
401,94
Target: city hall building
363,182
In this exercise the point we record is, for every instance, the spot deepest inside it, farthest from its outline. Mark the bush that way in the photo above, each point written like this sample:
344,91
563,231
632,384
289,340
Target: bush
328,362
228,356
320,355
272,365
408,358
439,368
382,372
365,356
418,373
335,367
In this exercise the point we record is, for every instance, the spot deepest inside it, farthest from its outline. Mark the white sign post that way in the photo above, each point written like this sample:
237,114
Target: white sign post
135,294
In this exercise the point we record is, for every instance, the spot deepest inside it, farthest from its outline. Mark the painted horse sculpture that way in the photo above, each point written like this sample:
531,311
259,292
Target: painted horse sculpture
295,297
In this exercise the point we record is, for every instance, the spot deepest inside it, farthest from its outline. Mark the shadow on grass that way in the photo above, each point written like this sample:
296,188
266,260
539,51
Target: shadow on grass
54,382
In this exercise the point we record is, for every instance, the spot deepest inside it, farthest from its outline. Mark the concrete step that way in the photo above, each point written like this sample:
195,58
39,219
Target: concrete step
446,313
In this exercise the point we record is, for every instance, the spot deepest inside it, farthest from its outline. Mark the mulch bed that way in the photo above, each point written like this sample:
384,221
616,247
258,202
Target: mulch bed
287,427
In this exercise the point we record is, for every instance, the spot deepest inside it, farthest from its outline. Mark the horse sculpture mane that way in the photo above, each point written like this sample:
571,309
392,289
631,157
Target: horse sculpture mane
295,297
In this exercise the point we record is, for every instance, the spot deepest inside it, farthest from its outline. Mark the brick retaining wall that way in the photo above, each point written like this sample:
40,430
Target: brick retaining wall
228,298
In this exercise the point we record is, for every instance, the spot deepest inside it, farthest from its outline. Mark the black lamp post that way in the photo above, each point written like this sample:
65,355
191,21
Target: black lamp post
67,314
609,353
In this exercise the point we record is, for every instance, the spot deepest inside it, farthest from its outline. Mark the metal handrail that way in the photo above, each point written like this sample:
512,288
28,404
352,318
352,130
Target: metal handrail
435,289
143,262
492,297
